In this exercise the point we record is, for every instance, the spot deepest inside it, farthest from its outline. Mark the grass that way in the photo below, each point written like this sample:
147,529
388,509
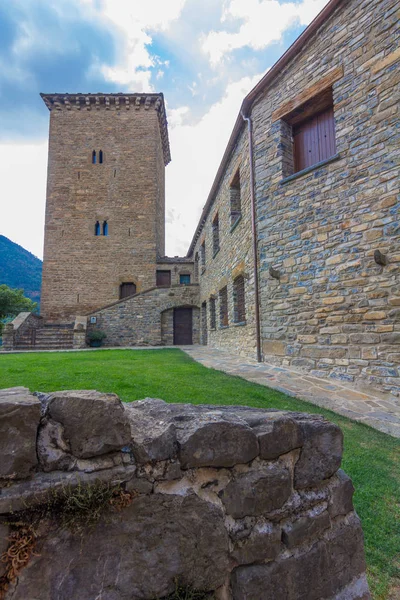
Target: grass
371,458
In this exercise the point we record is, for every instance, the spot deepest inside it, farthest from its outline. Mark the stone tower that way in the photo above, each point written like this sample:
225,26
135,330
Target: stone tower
105,208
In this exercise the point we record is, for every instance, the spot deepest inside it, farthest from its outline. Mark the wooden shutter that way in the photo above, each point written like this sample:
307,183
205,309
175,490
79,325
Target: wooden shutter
212,314
239,300
126,290
314,140
223,307
163,278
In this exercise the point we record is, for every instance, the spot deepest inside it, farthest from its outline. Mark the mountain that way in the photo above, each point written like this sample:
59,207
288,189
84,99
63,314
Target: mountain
20,269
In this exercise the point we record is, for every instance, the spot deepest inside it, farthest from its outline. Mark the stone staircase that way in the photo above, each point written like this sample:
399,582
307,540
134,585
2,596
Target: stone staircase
50,336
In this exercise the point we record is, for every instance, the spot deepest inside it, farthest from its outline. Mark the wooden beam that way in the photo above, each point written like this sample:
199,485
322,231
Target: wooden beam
308,93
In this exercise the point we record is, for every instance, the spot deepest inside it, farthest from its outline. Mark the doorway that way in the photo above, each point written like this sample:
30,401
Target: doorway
183,326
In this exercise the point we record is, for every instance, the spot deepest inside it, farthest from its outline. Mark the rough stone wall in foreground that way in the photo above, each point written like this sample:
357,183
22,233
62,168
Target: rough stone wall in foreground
246,503
335,312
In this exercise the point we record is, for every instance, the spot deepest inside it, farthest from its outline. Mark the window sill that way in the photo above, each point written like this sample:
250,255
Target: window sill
236,223
240,324
224,326
310,169
216,252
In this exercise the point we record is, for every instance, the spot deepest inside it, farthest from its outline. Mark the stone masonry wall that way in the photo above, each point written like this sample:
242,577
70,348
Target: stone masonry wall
81,271
137,321
235,257
246,504
335,312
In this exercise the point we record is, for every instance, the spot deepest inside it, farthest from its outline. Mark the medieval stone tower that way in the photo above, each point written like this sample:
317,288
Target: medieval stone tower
105,208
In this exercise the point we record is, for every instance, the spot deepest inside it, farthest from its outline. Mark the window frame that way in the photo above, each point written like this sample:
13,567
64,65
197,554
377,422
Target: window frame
235,199
215,235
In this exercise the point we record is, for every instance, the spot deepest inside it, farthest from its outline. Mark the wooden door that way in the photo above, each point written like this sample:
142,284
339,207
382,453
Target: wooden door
126,290
163,278
183,326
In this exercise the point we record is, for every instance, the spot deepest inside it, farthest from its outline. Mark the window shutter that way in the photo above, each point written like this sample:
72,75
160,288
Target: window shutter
223,307
239,300
212,313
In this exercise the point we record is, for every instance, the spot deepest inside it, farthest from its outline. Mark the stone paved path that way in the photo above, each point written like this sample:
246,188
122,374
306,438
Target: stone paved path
380,411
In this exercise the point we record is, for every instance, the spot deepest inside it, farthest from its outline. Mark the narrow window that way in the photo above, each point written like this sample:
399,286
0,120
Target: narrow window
101,157
235,199
213,319
94,157
163,278
239,305
223,307
79,174
203,255
105,228
77,298
127,289
204,323
97,228
215,231
196,266
115,172
184,279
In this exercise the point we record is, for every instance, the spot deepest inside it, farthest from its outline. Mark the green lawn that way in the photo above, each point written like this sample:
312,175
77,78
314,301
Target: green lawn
371,458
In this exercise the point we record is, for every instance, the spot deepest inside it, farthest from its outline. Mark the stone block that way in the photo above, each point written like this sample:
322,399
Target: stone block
53,449
319,571
341,498
211,440
263,543
19,422
278,436
94,423
297,532
258,492
321,453
152,439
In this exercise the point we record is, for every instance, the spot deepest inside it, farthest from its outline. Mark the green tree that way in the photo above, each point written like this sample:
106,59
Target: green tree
13,302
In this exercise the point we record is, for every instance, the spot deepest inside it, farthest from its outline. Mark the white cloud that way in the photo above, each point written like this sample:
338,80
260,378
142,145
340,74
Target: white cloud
197,150
23,198
263,22
135,19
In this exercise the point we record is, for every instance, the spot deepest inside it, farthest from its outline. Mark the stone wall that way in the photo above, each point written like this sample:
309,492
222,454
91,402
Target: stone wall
82,271
246,504
137,321
234,258
335,311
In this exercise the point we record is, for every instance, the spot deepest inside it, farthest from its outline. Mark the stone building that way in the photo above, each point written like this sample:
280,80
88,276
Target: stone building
296,256
322,136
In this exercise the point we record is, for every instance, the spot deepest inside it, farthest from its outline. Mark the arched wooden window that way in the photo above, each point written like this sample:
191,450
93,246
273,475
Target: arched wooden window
239,304
97,228
105,228
94,157
127,289
101,157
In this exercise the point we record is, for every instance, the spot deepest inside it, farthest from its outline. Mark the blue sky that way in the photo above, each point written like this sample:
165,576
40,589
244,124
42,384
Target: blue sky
204,55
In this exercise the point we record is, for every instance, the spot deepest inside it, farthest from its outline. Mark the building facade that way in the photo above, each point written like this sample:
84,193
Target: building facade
325,143
296,257
105,207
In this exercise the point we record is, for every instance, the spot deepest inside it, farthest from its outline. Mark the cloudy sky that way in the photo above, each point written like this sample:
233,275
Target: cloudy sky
205,55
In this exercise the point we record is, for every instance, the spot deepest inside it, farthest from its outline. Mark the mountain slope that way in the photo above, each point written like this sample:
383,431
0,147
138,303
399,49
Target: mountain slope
20,269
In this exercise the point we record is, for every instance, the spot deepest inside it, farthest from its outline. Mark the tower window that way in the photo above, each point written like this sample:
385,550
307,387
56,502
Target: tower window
94,157
97,228
101,157
105,228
